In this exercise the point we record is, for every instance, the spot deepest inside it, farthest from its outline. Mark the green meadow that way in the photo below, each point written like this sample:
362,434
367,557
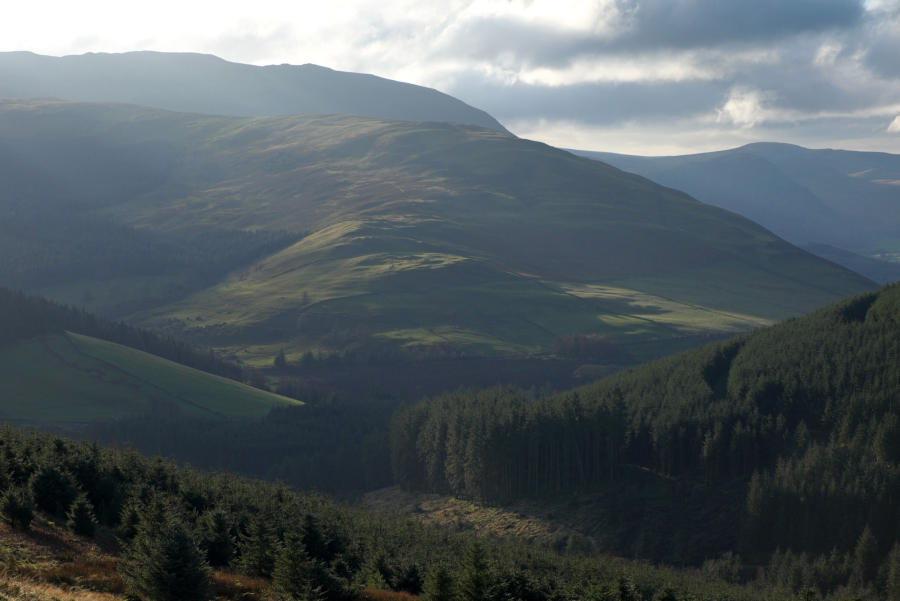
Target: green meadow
70,379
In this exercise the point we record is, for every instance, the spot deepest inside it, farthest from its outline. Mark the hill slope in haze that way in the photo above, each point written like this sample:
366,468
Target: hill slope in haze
202,83
842,198
454,236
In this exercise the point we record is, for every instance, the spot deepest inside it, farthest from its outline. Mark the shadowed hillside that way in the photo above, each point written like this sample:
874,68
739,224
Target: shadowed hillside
840,198
447,235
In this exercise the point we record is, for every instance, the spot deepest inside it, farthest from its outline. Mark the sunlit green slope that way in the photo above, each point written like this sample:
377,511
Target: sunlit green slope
69,378
423,233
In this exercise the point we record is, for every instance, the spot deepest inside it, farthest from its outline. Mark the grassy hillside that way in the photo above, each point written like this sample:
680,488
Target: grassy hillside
68,378
424,233
202,83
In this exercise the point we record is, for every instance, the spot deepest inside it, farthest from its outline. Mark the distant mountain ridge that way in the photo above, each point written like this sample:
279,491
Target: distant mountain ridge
202,83
841,198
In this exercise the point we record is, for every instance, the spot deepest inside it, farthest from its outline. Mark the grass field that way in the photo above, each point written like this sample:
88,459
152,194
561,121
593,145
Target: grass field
434,233
462,304
69,378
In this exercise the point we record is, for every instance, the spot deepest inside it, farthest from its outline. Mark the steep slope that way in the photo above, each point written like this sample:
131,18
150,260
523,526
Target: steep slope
755,188
202,83
874,268
843,198
431,233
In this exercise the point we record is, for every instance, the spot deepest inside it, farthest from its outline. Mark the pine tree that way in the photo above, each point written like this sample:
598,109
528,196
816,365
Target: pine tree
130,519
439,585
280,360
81,517
163,561
293,574
259,548
214,532
624,590
475,575
865,557
317,543
17,508
54,490
893,574
665,594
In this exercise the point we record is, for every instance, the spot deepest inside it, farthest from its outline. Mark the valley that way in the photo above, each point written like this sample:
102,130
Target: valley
287,333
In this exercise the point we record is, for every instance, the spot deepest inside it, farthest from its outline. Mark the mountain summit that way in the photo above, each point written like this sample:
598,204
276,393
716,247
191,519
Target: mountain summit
202,83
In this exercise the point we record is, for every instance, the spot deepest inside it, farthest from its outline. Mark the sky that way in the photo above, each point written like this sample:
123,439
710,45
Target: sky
631,76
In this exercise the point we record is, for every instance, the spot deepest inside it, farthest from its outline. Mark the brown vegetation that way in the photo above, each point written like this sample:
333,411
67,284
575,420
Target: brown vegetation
374,595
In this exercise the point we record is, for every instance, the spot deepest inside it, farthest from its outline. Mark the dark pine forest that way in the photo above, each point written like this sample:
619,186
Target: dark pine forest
803,415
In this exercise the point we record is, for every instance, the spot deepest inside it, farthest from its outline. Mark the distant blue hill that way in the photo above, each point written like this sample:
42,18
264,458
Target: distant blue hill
840,204
202,83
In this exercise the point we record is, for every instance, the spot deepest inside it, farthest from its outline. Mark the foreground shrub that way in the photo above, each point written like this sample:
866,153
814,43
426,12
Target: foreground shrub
163,561
81,517
17,508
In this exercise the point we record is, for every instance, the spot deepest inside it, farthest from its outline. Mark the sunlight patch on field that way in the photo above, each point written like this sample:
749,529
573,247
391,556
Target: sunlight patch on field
665,313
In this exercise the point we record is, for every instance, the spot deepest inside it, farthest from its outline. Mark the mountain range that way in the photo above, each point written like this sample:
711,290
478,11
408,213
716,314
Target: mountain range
202,83
837,198
447,235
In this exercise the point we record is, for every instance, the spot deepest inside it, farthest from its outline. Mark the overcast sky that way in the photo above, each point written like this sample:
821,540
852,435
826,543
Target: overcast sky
632,76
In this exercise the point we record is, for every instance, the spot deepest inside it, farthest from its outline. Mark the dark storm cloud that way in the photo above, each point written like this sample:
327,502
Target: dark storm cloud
652,25
883,55
703,23
814,66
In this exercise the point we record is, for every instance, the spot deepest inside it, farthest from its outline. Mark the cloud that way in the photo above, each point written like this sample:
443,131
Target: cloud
703,23
701,71
746,107
894,127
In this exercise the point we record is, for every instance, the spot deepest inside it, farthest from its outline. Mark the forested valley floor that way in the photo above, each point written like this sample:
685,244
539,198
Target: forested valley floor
82,522
768,461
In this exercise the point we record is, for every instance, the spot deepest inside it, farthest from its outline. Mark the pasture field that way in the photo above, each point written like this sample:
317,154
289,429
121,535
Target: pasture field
68,378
